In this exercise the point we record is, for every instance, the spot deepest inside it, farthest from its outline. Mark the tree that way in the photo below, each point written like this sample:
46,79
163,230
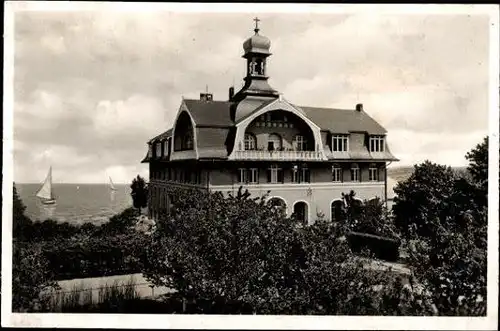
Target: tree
444,221
478,164
239,254
418,204
20,221
31,278
139,192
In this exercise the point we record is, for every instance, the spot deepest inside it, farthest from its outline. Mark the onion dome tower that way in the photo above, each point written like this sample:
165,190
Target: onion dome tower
256,51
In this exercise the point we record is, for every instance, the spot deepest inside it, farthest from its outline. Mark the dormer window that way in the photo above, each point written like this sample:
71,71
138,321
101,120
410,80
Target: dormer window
376,143
158,149
300,143
340,143
250,142
166,145
274,142
187,142
150,151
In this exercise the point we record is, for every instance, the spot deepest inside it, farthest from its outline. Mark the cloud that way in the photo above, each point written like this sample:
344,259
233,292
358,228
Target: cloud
92,87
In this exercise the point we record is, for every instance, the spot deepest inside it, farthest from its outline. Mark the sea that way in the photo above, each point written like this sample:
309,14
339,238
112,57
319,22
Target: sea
77,203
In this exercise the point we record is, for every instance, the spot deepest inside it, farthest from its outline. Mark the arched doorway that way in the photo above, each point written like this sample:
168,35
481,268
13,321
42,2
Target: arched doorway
278,203
337,210
301,212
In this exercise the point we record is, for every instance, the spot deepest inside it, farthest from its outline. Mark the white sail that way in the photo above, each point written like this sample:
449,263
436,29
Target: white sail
45,192
111,185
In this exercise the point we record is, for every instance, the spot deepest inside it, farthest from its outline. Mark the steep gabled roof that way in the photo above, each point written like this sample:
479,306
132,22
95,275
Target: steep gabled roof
210,113
343,120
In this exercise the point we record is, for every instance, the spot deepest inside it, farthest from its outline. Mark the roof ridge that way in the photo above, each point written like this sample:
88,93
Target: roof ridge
313,107
225,101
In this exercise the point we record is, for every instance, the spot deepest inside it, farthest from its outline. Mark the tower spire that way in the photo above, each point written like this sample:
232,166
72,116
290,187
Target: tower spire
257,20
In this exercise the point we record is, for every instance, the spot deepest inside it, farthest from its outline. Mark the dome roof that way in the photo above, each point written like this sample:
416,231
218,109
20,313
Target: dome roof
257,44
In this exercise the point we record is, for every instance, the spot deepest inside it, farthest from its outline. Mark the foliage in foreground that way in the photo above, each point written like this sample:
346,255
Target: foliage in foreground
242,253
443,217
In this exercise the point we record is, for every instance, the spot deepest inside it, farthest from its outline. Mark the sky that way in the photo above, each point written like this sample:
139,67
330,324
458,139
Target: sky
92,87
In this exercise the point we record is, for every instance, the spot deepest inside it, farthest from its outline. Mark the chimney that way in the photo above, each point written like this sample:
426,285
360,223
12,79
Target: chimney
359,107
206,96
231,92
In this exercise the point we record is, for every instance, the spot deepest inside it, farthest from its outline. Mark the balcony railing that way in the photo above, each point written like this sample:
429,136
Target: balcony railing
278,155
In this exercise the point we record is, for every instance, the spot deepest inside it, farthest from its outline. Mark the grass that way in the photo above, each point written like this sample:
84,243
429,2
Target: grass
109,298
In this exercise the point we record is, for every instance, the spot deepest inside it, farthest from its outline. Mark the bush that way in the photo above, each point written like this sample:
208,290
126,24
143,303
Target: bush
444,221
240,255
31,277
89,256
381,247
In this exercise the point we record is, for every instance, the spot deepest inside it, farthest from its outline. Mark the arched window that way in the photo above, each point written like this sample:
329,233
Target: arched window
278,203
250,142
337,211
300,143
355,172
300,212
274,142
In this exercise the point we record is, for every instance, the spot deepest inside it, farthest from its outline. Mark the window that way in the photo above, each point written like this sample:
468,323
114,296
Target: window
158,150
150,151
295,174
376,143
253,176
242,175
336,173
300,143
304,174
373,173
250,176
337,210
355,173
273,142
250,141
340,143
166,146
275,174
300,174
188,141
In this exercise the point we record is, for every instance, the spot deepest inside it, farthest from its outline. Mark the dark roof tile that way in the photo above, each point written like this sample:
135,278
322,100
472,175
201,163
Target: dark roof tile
210,113
343,120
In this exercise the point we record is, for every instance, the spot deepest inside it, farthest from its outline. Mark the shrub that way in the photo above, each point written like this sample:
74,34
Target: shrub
240,255
31,277
139,192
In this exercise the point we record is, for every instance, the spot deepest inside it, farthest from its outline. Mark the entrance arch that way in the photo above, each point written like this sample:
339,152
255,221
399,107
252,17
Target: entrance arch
301,211
336,210
278,203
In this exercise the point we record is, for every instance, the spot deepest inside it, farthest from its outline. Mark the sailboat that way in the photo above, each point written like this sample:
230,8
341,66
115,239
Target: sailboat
45,192
111,185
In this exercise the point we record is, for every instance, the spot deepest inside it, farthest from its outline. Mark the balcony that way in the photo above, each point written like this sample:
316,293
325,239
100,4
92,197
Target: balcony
278,155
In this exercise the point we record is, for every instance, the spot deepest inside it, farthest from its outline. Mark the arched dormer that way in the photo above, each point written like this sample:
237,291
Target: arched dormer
300,137
184,133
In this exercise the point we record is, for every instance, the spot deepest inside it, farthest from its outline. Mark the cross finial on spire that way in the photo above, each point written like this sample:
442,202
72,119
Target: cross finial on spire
257,20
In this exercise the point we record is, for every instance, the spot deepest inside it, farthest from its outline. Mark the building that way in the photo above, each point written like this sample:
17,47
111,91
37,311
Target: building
305,156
